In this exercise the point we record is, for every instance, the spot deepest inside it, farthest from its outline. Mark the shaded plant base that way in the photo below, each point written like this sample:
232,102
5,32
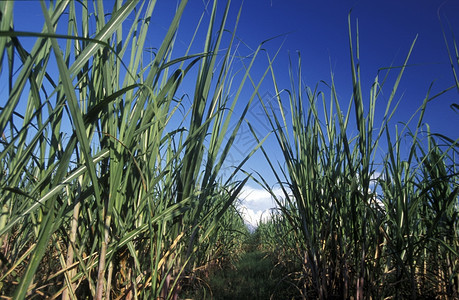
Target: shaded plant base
256,275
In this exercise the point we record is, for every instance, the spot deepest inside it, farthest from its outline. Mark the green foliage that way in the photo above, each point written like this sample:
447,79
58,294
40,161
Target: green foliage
112,185
101,176
350,225
255,275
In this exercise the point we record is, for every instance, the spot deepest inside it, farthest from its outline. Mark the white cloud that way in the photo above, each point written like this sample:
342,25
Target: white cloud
253,218
376,175
256,204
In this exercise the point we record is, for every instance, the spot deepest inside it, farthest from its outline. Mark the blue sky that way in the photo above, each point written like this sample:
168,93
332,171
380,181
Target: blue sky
319,31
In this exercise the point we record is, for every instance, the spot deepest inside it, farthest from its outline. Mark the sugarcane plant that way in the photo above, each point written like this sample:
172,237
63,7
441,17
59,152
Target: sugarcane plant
111,182
364,226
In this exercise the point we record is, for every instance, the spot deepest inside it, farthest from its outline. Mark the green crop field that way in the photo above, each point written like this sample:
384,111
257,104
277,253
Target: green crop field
115,185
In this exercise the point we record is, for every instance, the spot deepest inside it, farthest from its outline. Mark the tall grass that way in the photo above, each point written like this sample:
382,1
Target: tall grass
108,191
100,197
358,225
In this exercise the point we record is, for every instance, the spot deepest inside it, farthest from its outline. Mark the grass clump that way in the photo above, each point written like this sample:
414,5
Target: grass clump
106,189
354,225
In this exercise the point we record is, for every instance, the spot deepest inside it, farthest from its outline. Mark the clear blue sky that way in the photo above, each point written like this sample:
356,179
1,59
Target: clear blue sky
319,31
